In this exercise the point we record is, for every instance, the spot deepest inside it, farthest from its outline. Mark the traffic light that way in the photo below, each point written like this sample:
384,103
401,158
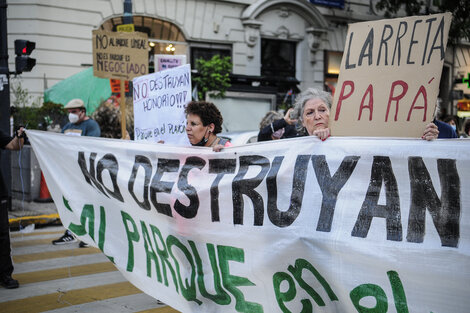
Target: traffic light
23,49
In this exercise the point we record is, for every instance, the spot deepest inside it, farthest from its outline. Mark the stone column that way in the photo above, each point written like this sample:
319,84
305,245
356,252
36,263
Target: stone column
314,38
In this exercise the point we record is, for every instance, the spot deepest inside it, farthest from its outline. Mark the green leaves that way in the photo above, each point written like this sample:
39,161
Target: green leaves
460,9
213,76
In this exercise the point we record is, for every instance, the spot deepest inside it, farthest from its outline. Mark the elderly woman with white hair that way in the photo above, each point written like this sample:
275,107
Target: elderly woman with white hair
312,108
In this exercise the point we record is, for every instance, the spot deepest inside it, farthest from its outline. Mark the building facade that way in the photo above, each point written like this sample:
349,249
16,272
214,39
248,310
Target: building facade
275,45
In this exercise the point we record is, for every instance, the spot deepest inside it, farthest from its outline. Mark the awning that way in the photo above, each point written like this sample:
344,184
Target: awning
83,85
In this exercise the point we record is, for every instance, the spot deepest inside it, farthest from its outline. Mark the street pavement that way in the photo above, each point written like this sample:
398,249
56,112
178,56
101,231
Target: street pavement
64,278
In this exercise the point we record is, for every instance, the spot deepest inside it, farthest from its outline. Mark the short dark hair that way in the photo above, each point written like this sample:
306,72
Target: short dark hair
449,118
207,112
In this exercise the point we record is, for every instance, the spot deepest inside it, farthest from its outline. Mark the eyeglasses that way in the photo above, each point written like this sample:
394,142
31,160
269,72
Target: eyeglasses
74,111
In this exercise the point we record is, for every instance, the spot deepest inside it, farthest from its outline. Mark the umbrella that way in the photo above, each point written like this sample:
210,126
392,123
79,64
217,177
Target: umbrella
83,85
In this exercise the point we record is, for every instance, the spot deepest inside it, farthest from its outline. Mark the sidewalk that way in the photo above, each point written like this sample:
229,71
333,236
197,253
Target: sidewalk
68,279
24,213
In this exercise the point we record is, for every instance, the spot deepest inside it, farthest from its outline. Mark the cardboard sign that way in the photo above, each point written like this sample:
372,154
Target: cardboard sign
120,55
389,78
165,61
159,102
116,85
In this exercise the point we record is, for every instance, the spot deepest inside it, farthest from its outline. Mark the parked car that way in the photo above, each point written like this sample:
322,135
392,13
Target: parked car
240,137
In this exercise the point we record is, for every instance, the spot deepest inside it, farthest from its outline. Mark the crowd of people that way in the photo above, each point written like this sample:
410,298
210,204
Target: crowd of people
309,117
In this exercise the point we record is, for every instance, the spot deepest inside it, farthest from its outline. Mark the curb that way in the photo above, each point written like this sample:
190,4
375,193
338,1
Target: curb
37,220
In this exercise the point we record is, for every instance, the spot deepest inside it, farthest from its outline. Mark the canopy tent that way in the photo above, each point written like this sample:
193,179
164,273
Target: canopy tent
83,85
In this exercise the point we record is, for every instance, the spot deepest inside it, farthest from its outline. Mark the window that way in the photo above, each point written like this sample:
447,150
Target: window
277,58
332,66
164,37
207,53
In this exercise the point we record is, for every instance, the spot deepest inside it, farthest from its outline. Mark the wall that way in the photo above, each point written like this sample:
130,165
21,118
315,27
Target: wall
62,31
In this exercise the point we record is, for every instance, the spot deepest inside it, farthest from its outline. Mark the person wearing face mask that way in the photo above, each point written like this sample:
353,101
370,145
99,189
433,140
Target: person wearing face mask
79,125
453,123
312,108
203,123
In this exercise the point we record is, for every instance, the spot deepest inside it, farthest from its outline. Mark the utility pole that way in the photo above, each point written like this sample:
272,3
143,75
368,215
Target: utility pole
4,71
4,95
127,19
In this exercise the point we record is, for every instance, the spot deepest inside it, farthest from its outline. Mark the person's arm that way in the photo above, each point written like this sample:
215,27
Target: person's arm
17,142
265,133
291,132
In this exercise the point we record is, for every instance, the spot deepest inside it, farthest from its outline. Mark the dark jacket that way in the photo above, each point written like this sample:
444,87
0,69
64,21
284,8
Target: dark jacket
289,130
445,130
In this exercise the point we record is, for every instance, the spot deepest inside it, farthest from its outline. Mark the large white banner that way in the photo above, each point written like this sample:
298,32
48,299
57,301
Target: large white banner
297,225
159,102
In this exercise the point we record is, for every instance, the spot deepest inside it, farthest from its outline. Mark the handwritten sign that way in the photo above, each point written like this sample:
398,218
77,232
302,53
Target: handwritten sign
119,55
345,225
116,85
165,61
159,102
389,77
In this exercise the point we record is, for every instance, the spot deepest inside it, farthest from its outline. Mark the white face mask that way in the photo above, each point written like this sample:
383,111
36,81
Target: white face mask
73,118
453,127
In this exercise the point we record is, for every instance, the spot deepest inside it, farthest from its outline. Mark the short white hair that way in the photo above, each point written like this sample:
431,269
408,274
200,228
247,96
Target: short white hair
310,93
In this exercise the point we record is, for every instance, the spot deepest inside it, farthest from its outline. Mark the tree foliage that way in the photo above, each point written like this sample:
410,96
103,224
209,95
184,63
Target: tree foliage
28,111
49,115
20,94
460,9
213,75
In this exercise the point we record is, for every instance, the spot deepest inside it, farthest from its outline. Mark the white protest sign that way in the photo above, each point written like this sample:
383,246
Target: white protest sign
159,102
389,77
295,225
165,61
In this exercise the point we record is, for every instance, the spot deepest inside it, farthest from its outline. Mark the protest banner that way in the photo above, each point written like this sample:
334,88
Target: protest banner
345,225
120,55
389,77
159,102
166,61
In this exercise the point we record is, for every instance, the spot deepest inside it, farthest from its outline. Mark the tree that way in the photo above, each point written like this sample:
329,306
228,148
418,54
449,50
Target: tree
213,75
21,95
460,9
